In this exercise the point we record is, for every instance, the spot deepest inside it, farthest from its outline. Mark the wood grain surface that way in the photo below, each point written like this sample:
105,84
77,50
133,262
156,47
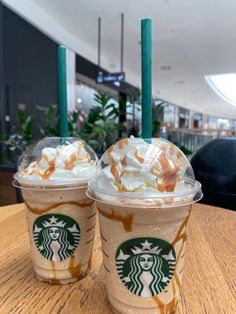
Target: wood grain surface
209,283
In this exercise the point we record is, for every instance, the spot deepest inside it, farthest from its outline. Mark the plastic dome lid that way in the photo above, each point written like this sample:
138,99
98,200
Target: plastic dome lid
145,172
55,161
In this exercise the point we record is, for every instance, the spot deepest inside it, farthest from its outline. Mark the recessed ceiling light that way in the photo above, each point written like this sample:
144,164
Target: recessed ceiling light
166,68
224,86
79,100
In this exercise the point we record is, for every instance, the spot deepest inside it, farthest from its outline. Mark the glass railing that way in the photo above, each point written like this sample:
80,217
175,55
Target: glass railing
193,139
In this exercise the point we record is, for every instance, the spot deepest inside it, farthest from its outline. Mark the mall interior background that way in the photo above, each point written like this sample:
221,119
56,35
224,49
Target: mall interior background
28,80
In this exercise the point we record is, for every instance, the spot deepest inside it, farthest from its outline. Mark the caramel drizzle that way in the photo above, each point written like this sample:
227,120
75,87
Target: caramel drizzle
159,303
174,289
90,262
104,165
123,143
180,251
179,154
48,172
69,164
54,280
123,161
126,220
138,157
75,271
171,306
179,235
39,211
177,280
169,175
114,170
53,268
115,173
172,150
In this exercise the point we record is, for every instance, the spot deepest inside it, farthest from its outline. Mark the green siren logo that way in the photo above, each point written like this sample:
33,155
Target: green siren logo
145,265
56,236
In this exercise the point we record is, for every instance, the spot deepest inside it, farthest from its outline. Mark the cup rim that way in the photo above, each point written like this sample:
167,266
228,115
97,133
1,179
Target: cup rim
57,187
195,187
194,195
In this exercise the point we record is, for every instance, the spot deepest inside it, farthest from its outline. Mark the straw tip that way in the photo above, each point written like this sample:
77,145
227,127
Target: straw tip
146,20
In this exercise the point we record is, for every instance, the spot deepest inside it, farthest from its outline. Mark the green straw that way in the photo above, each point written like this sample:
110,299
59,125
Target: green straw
62,91
146,40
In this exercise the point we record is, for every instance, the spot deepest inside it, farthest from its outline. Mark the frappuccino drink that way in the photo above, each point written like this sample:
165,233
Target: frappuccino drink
53,177
144,190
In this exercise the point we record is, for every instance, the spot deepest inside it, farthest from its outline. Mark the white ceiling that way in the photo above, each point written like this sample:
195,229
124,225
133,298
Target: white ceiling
192,37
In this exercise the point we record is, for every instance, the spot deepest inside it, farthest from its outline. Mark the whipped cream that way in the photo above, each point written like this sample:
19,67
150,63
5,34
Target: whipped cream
70,162
136,166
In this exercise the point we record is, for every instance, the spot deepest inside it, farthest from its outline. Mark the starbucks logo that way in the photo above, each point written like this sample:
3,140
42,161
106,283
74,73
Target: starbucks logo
145,265
56,236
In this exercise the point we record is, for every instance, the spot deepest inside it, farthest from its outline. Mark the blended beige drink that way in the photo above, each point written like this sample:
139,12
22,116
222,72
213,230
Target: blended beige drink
144,190
53,178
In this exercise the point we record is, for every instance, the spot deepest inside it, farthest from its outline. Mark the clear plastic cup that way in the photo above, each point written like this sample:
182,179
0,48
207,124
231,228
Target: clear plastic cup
143,232
61,218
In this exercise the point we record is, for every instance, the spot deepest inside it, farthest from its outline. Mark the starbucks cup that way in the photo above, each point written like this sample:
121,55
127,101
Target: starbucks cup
53,178
144,190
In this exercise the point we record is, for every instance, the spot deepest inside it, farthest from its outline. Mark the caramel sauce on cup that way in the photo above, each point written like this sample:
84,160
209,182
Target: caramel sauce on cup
126,220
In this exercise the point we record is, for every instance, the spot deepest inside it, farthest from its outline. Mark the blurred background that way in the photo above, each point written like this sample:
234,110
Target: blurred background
194,77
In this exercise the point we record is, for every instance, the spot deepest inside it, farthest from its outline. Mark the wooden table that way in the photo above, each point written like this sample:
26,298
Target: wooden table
209,283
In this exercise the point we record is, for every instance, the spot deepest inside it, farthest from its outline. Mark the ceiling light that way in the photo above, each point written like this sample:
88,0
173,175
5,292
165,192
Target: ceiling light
79,100
224,121
224,86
